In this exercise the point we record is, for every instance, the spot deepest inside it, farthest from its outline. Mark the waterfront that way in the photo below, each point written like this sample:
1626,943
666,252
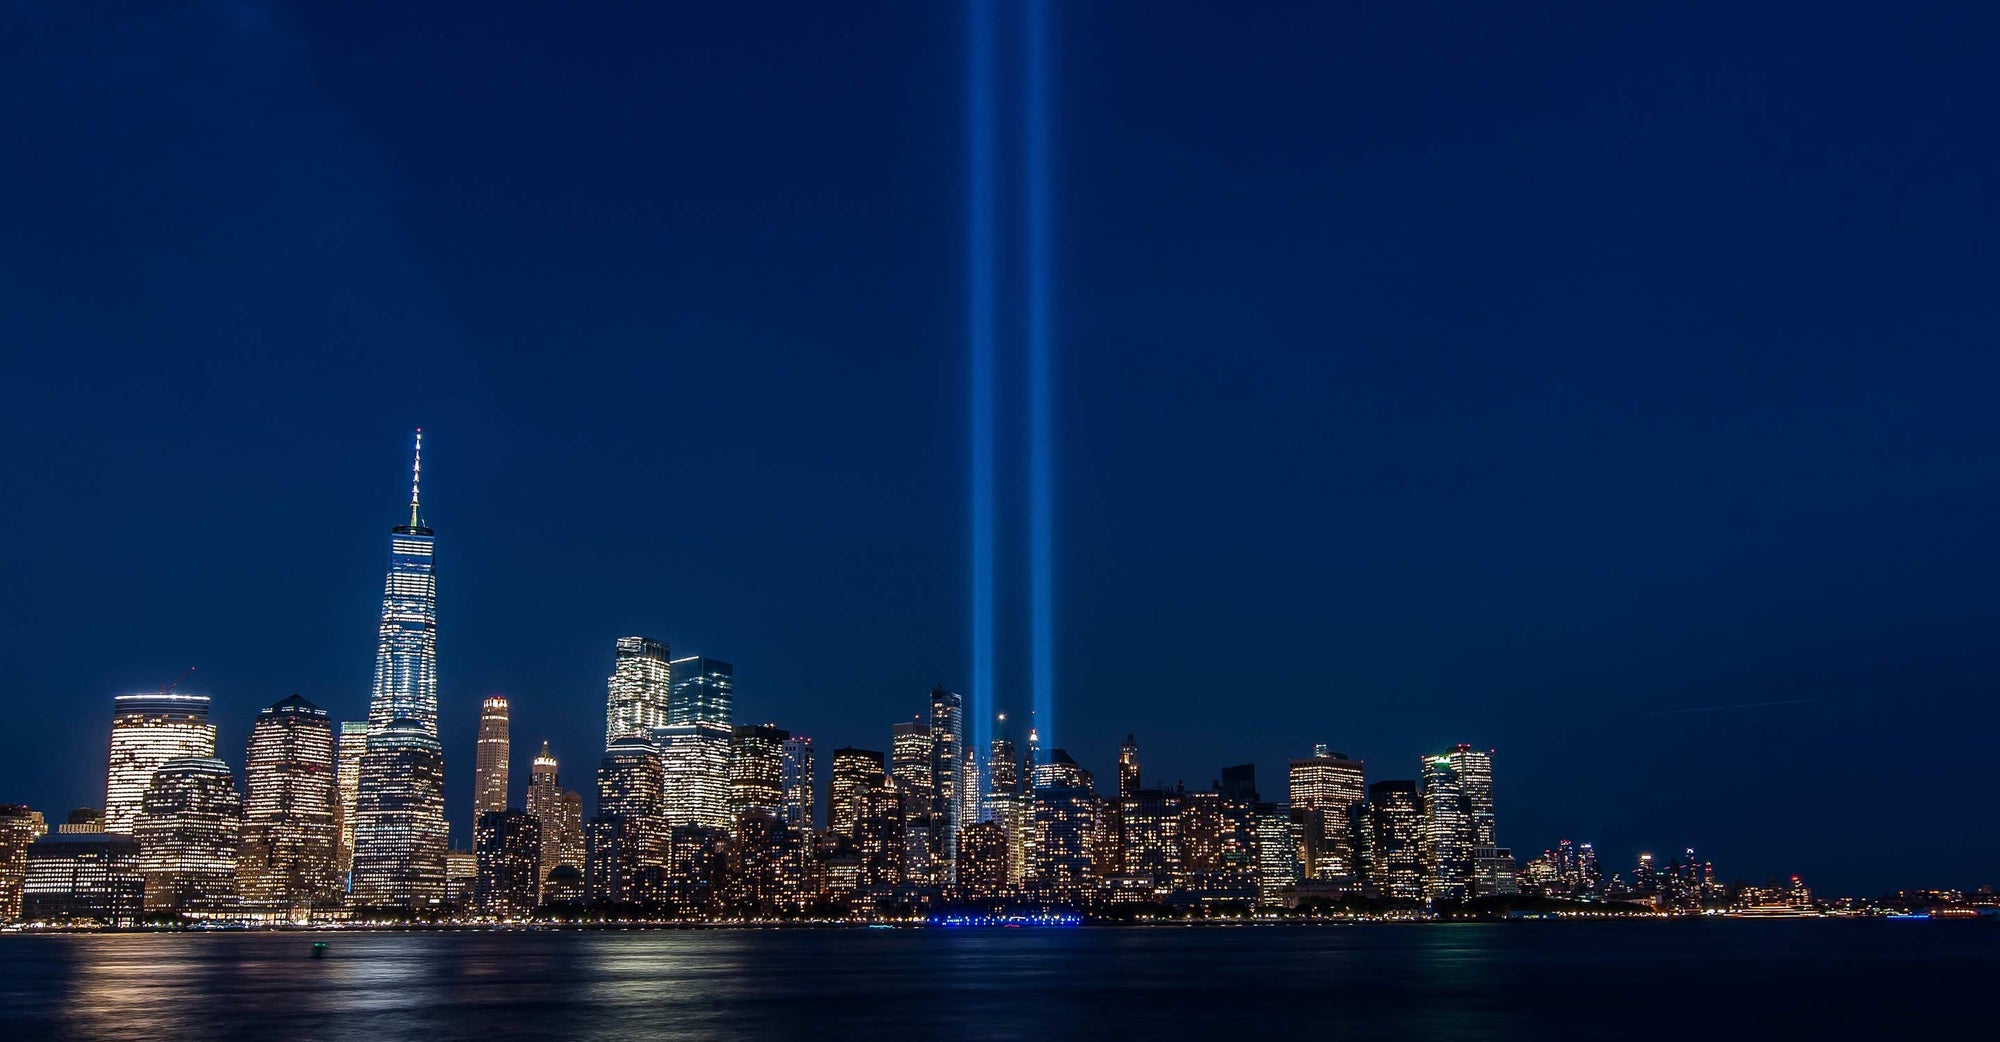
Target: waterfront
1473,981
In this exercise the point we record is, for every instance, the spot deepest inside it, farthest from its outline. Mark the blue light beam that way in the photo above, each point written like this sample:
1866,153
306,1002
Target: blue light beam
1041,348
979,314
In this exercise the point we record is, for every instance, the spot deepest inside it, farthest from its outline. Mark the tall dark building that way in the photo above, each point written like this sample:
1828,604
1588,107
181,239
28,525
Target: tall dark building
954,787
1240,782
508,845
982,862
757,770
1396,847
851,770
800,810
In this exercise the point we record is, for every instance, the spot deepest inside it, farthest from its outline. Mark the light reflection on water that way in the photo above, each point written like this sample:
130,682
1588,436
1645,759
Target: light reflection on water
1509,981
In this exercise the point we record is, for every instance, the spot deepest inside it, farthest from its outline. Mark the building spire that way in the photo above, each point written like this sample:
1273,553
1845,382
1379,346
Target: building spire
416,478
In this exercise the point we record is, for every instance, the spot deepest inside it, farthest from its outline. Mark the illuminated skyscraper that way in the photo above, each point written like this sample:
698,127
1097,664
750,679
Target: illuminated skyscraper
951,785
694,745
1396,833
796,775
189,831
1152,824
291,811
19,827
147,730
756,770
1447,830
703,690
627,840
400,834
1064,817
353,746
1327,790
630,782
851,770
507,847
911,763
1475,771
399,829
1277,854
1128,766
1005,807
879,825
638,690
561,822
489,770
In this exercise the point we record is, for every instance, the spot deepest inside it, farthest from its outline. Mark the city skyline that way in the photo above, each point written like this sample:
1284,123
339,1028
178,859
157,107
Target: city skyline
1623,416
688,702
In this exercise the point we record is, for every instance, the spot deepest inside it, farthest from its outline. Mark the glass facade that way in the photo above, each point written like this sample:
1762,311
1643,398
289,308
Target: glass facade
951,787
795,773
702,691
400,834
638,690
399,831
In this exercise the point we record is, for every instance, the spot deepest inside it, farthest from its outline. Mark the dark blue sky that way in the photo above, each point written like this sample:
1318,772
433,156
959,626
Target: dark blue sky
1428,373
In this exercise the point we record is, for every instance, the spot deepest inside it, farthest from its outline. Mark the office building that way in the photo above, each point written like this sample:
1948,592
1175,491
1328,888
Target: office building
800,790
879,838
189,830
1447,833
982,862
757,770
20,827
1064,810
558,813
291,811
399,830
490,766
1277,854
147,730
400,835
851,770
694,744
954,795
1327,791
638,690
1396,826
83,877
507,850
353,746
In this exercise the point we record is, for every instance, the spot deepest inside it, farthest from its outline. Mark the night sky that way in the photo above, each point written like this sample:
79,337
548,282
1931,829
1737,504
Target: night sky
1523,375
